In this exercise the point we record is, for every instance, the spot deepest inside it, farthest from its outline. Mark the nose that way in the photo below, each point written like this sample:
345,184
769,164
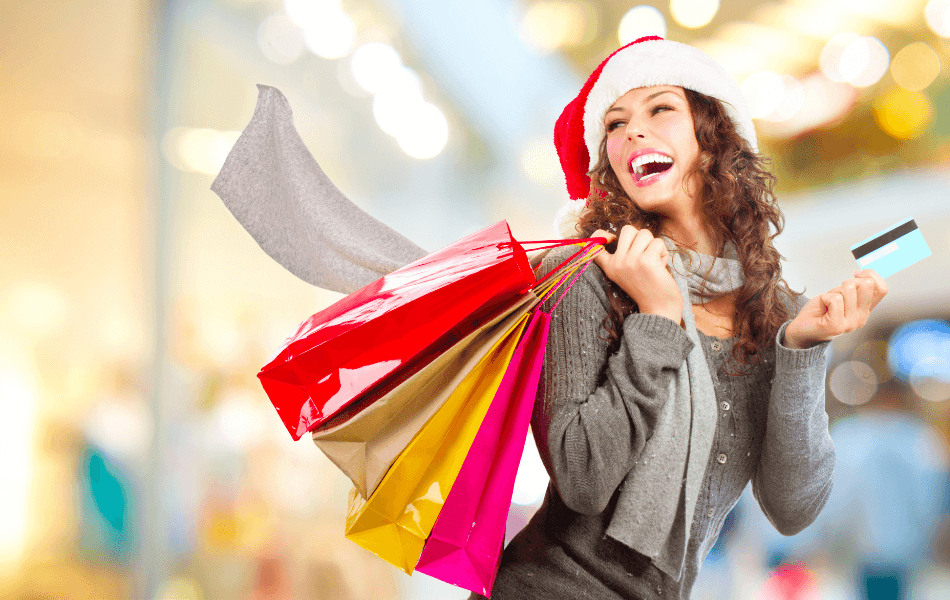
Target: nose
634,129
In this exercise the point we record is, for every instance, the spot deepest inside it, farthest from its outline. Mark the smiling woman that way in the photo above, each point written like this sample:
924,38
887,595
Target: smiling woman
685,326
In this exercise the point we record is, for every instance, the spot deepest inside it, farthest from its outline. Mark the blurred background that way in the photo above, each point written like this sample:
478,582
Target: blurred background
141,458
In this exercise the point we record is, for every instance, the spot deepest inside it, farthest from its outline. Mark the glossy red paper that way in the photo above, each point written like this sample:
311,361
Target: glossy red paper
379,335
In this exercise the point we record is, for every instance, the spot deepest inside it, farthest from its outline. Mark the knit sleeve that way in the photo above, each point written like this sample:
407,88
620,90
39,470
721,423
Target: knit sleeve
793,479
590,431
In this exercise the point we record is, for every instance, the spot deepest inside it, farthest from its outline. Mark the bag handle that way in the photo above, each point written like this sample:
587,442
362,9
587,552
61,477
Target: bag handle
569,286
589,251
588,243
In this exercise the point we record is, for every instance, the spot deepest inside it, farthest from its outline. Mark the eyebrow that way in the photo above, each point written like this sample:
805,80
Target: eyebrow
648,98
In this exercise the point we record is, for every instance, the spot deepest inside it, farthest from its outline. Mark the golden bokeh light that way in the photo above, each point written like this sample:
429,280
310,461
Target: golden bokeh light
915,66
641,21
549,25
693,14
903,114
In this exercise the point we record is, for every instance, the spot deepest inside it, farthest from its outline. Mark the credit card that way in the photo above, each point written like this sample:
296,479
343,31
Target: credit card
893,249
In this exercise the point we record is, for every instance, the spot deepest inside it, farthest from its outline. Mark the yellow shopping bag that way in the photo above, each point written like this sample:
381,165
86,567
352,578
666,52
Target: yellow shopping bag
398,516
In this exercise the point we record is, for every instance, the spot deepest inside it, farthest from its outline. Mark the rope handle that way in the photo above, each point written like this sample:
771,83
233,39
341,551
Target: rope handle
569,286
588,243
564,242
563,274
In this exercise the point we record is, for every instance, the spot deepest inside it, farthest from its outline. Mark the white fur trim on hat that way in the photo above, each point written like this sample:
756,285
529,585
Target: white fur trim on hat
566,218
662,62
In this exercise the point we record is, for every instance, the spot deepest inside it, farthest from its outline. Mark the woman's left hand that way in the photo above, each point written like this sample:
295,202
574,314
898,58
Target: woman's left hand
836,312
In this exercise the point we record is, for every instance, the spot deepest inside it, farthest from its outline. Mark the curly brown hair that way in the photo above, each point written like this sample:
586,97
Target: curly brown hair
739,206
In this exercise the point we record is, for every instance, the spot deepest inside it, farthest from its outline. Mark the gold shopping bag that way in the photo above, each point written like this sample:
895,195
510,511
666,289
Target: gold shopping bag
398,516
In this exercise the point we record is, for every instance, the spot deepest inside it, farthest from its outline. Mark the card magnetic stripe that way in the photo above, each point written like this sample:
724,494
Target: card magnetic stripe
886,238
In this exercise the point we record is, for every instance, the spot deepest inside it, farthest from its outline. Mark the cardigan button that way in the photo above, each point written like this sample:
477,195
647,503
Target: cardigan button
710,513
724,405
716,346
722,458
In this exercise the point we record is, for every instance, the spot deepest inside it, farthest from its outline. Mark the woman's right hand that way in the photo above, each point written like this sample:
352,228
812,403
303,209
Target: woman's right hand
638,266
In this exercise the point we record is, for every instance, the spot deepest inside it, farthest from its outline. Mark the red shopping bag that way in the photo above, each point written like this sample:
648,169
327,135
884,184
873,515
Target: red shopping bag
380,335
465,545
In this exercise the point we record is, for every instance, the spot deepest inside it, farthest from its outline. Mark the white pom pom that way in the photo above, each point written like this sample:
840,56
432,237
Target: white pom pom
565,221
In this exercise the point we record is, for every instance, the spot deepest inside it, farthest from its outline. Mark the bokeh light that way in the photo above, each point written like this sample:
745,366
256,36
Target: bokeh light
902,114
327,30
830,59
937,14
426,131
198,150
693,14
641,21
764,91
930,377
374,64
280,39
793,99
918,341
391,104
123,428
238,421
793,581
853,382
915,66
548,25
823,102
333,37
864,61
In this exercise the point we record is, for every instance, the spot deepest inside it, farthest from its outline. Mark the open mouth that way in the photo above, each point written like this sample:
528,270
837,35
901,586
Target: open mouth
647,167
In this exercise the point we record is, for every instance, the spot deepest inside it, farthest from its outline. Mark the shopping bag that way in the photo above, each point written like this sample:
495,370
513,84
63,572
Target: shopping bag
366,443
465,545
396,519
381,334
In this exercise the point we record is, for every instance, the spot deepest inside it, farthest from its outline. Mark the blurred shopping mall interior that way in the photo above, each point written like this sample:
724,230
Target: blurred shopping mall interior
142,458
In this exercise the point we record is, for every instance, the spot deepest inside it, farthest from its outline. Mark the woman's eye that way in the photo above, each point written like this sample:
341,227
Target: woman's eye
613,125
660,108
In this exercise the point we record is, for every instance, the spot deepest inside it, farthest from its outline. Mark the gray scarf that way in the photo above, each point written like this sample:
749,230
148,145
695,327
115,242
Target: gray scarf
658,497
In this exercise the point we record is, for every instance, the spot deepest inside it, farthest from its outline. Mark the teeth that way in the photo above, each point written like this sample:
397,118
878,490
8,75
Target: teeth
638,162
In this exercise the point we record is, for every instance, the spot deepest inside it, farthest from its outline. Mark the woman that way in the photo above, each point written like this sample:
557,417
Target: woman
651,419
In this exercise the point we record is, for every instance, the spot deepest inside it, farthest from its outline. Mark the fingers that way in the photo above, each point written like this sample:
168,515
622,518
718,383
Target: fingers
833,303
628,234
865,296
880,288
849,292
658,248
604,234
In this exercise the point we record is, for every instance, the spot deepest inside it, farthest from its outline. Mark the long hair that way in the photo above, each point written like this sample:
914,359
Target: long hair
739,206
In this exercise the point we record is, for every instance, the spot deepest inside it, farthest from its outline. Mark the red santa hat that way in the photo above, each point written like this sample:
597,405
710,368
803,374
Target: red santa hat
645,62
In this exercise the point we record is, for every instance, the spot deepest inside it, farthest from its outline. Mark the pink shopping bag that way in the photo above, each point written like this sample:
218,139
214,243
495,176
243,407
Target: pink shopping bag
465,545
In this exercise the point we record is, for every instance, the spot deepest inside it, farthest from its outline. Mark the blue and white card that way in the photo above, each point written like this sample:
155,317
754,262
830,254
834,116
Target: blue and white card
893,249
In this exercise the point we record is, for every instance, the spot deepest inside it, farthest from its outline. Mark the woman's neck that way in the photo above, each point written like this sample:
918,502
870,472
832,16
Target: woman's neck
690,232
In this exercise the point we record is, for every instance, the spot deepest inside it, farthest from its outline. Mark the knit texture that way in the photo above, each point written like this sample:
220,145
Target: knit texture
591,431
273,186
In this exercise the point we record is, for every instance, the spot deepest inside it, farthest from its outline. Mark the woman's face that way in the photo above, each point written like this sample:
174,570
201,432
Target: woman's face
651,145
